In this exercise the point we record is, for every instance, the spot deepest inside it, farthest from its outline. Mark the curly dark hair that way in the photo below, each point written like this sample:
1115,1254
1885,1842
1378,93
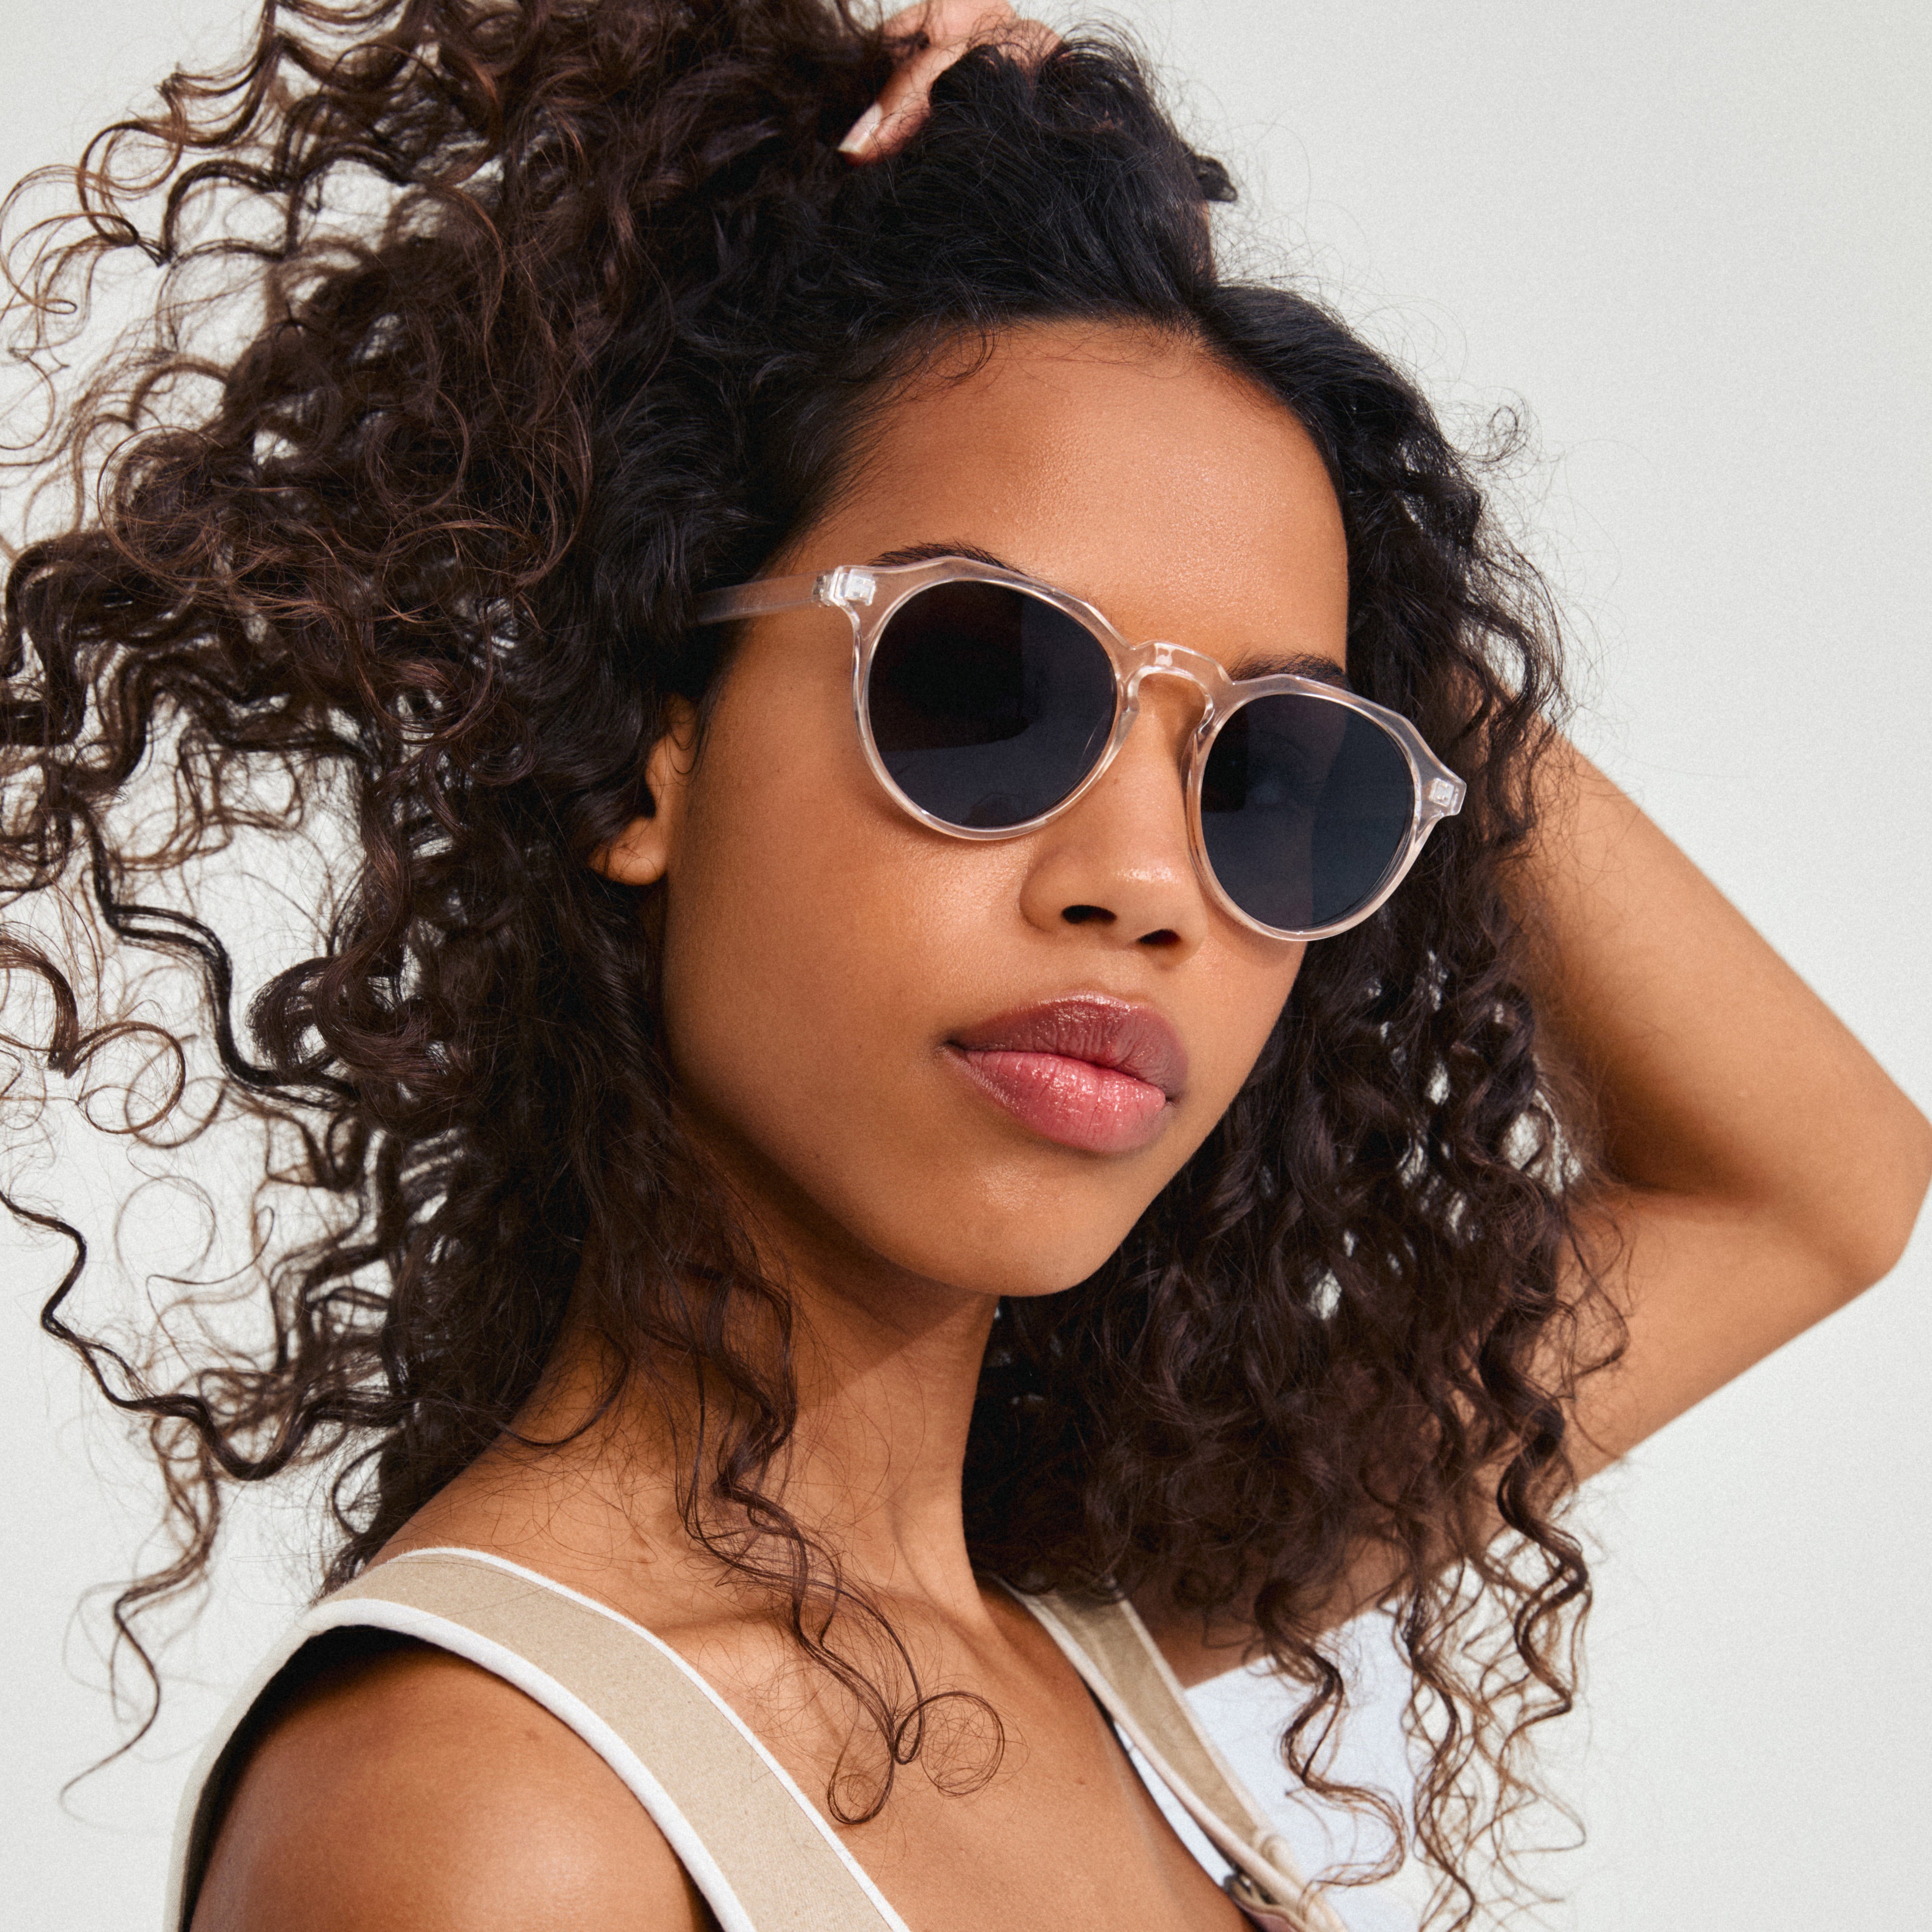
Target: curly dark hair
572,312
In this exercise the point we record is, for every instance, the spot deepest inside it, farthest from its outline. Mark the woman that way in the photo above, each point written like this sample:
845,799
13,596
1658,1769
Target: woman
745,1154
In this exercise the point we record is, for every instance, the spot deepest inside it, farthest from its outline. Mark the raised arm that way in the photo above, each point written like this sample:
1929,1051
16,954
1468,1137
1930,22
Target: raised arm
1765,1169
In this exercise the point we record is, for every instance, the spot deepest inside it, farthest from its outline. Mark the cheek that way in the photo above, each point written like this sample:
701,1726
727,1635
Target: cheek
819,949
1240,995
813,937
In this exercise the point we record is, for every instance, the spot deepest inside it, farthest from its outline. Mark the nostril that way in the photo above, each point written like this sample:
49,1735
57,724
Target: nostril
1086,915
1166,936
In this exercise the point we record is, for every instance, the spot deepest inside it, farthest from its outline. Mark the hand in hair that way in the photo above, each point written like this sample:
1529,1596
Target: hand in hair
935,33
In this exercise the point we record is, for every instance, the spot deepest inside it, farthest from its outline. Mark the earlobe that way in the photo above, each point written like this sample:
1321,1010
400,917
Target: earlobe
641,854
638,855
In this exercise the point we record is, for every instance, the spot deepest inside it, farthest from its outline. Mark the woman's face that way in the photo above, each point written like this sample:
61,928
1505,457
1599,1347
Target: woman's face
853,1001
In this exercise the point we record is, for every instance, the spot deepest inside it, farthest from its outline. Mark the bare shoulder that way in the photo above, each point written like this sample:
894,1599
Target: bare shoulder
413,1791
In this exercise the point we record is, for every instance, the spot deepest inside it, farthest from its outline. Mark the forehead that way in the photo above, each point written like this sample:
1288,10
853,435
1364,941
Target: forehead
1132,469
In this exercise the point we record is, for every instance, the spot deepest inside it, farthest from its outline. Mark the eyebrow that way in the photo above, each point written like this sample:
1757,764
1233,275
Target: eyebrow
1293,663
930,553
1267,664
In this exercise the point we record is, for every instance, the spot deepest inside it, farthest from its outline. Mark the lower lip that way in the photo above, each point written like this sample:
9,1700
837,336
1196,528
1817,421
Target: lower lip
1073,1102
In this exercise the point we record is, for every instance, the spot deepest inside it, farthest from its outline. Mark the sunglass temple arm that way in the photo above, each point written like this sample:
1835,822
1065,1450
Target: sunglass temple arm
769,595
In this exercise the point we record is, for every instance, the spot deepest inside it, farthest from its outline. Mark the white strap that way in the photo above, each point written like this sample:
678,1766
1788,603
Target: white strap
1113,1652
763,1855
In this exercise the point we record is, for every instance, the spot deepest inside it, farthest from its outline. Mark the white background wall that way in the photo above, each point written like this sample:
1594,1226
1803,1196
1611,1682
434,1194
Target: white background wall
1693,239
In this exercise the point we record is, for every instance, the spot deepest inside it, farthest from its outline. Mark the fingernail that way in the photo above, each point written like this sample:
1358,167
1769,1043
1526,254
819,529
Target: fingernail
859,135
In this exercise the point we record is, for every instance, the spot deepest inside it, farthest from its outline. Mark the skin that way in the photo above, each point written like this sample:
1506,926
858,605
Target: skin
949,27
820,949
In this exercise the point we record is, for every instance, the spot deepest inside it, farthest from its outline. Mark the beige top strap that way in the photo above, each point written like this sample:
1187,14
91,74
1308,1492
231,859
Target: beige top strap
1114,1653
763,1855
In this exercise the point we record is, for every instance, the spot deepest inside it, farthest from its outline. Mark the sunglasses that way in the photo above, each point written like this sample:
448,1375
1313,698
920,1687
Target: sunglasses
988,704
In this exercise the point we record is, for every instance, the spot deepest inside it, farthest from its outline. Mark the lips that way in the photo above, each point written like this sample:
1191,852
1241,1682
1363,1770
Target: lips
1087,1071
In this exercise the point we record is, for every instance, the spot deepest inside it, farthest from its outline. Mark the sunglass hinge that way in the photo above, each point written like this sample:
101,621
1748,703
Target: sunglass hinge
846,586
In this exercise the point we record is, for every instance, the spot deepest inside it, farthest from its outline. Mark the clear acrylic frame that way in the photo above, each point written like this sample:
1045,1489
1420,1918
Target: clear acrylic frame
870,594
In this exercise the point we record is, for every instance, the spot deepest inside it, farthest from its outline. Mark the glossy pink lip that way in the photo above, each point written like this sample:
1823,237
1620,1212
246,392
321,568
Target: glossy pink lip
1087,1071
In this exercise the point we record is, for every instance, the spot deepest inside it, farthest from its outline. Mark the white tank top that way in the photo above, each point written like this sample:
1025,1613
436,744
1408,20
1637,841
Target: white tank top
763,1856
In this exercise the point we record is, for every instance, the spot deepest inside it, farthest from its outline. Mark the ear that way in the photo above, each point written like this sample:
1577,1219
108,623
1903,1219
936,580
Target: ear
641,854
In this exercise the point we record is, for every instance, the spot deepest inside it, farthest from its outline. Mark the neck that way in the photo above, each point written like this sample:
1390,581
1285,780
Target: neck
886,1367
886,1385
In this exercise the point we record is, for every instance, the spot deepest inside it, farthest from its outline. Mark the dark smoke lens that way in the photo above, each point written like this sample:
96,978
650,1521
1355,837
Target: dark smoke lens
1305,806
988,707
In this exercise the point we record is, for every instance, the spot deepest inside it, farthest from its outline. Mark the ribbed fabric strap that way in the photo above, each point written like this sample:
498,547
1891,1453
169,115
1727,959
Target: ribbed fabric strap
762,1854
1117,1656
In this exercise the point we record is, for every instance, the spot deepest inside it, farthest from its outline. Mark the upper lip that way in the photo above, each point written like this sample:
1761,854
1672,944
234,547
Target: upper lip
1107,1033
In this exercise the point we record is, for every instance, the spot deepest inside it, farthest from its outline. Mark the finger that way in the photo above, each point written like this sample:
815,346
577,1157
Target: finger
952,27
943,21
948,27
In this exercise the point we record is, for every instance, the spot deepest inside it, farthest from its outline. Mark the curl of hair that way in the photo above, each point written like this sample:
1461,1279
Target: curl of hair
572,311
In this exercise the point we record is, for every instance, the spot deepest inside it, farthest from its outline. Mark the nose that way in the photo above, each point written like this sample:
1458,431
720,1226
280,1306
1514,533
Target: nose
1118,865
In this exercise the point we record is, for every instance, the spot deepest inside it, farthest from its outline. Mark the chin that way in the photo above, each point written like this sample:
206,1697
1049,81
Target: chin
1024,1266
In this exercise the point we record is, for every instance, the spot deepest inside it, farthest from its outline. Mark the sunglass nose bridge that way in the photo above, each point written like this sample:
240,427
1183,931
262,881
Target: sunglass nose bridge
1174,661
